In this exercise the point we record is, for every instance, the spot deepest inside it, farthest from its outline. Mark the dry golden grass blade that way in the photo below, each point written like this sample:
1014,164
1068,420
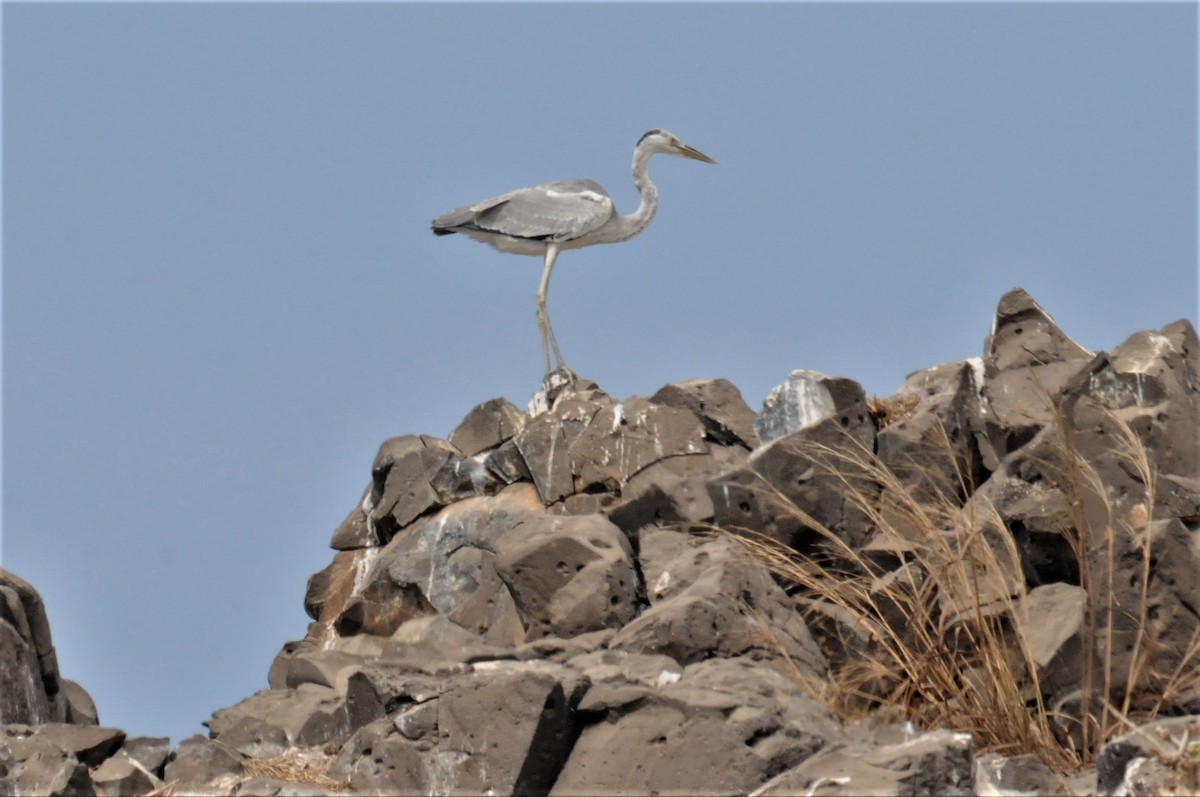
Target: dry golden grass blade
960,659
295,766
165,790
890,409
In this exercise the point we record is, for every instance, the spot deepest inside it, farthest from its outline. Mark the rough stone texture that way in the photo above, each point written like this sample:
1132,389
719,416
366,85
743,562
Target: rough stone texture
81,710
487,426
22,696
446,563
623,439
54,758
719,405
1028,361
357,530
635,668
403,475
532,606
149,751
514,724
806,399
31,689
1019,775
887,762
934,450
310,715
1128,414
121,775
89,744
1157,758
544,442
570,575
673,490
1051,618
197,762
796,479
379,760
32,764
724,727
502,568
1031,492
709,598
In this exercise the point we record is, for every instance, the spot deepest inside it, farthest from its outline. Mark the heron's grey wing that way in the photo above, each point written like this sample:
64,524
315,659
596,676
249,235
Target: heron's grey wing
558,211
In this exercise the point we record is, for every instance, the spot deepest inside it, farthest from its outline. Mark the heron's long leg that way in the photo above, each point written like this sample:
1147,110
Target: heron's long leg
545,329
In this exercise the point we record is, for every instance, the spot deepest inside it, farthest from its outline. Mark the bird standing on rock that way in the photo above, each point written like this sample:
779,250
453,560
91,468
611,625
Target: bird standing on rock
547,218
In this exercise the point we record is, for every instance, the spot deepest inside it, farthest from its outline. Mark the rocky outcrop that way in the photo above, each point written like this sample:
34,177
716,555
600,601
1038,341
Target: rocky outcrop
31,689
550,601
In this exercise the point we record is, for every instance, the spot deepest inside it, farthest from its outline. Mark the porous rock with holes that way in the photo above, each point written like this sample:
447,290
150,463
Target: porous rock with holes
538,603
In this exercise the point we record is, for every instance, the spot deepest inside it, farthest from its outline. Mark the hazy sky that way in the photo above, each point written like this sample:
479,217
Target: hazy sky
220,292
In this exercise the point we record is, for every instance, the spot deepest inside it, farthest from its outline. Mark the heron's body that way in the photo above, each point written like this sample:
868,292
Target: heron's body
548,218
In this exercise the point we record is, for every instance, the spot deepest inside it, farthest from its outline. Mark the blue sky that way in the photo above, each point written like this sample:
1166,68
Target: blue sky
220,292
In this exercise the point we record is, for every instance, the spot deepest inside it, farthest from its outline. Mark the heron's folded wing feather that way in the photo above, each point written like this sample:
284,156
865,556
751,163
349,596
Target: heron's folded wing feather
558,211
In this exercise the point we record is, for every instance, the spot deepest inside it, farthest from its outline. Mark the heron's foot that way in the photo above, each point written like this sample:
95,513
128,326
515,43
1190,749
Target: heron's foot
562,376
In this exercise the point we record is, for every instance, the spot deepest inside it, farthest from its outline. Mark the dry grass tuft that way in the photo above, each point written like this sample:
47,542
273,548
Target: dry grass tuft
165,790
926,620
890,409
296,766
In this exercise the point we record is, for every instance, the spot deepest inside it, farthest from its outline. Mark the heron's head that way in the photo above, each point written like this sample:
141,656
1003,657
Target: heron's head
661,141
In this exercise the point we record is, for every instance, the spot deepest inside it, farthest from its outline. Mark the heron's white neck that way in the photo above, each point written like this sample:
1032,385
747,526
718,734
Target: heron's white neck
634,223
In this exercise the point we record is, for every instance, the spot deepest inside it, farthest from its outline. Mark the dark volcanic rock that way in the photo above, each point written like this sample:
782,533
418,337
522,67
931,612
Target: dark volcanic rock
935,763
502,568
673,490
31,689
1023,774
934,450
1028,361
545,441
150,752
623,439
708,597
33,764
357,530
403,476
22,696
569,575
308,716
719,405
1133,763
803,475
380,760
89,744
487,426
806,399
81,710
447,564
532,606
197,761
1051,618
121,775
724,727
1133,421
515,725
1032,491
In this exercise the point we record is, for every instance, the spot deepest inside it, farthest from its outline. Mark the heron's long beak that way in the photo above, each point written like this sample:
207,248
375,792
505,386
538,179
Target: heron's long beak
695,154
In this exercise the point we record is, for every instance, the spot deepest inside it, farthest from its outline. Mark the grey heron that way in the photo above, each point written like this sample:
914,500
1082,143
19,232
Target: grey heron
547,218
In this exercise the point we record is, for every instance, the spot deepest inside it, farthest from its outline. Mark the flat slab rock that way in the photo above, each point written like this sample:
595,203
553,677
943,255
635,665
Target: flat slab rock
934,763
722,728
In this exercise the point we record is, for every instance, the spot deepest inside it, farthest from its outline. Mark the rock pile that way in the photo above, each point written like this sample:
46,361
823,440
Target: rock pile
50,739
539,603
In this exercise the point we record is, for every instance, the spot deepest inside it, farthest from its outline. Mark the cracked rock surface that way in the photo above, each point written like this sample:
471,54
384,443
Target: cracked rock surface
537,603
